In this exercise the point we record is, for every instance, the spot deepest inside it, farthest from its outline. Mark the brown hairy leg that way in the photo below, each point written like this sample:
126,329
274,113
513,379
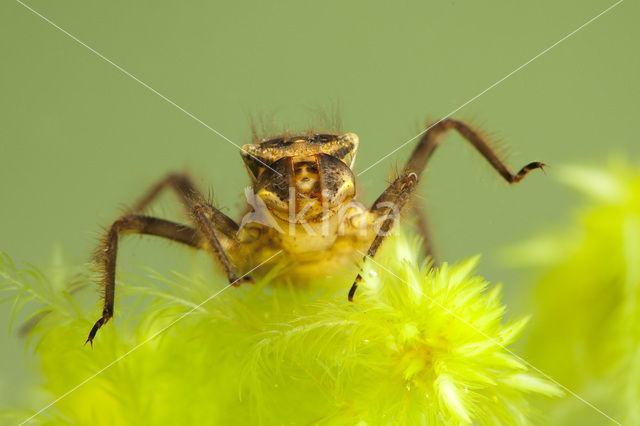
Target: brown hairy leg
387,207
396,197
139,225
185,189
432,137
426,147
207,219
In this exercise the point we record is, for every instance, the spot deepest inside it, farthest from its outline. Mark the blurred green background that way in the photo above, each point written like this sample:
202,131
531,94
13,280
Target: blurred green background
79,139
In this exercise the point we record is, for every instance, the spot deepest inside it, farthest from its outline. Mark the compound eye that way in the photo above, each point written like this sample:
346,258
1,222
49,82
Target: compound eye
273,184
338,181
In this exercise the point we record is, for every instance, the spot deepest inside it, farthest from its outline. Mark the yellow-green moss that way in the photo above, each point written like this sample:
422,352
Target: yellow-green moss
286,354
586,306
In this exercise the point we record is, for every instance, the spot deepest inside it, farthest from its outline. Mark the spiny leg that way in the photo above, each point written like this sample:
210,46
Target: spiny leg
387,206
202,216
416,164
184,187
208,219
179,182
109,251
431,139
428,144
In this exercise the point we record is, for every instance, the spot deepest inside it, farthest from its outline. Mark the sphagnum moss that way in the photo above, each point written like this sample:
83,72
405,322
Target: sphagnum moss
419,346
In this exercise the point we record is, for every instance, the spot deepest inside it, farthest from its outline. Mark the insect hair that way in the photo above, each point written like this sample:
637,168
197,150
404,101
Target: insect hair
322,119
494,139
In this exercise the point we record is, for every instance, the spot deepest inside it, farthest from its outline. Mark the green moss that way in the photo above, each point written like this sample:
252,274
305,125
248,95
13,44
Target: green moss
419,346
586,332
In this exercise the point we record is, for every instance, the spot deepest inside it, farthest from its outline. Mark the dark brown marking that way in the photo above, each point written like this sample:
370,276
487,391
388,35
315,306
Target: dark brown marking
354,287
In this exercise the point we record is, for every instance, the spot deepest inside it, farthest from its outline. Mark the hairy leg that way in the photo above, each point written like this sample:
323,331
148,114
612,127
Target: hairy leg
109,251
431,139
185,189
391,201
210,226
387,207
427,146
209,221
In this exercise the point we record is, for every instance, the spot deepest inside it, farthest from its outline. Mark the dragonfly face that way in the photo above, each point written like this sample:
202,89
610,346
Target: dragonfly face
309,178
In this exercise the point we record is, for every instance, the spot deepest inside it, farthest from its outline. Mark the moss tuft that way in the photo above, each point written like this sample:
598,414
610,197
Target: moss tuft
586,332
419,346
